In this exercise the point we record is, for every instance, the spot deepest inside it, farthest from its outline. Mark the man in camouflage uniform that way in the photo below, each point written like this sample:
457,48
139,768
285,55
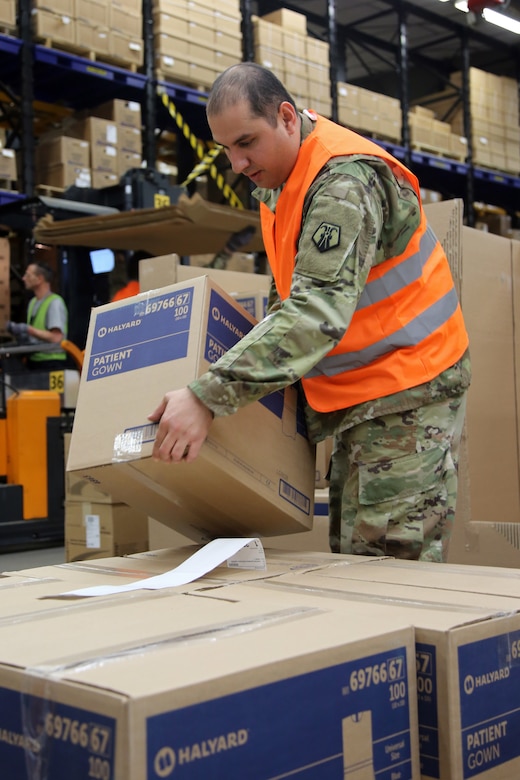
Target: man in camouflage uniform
393,476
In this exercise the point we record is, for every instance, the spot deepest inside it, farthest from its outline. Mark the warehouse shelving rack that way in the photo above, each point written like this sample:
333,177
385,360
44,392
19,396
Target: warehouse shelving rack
32,71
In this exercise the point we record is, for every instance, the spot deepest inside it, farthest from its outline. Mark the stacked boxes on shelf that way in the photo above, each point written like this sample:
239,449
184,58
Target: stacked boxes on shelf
428,132
8,14
94,151
282,44
63,161
370,112
494,110
109,31
196,39
495,122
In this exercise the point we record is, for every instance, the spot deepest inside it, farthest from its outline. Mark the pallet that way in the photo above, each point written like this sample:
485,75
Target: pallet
88,54
434,150
170,78
8,185
49,191
8,29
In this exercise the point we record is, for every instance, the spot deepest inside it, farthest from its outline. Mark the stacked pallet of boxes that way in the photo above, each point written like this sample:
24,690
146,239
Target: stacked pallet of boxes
94,151
433,135
494,112
7,15
369,112
196,39
96,526
109,32
299,60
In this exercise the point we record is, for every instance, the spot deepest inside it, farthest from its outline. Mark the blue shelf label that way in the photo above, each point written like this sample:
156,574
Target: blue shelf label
40,738
319,726
490,702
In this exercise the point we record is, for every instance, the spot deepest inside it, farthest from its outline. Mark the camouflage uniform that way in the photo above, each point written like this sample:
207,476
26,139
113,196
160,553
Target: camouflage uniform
409,437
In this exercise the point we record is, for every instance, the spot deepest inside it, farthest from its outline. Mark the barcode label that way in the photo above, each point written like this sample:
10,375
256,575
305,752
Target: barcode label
294,496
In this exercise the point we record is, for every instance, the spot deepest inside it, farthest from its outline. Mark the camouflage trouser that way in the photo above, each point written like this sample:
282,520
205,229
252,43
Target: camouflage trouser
393,483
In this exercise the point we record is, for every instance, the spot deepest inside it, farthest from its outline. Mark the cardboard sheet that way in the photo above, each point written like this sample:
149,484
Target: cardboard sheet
192,226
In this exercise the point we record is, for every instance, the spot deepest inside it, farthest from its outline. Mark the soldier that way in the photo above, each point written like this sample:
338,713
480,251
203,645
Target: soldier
363,315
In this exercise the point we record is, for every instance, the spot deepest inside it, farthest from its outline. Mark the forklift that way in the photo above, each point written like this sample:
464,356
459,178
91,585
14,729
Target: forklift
37,406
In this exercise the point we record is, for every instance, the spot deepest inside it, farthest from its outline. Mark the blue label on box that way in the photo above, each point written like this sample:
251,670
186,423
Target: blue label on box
226,326
489,679
426,661
142,333
40,738
322,725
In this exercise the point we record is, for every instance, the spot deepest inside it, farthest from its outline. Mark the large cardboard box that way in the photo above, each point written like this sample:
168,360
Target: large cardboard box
103,530
155,272
205,687
488,514
255,474
468,673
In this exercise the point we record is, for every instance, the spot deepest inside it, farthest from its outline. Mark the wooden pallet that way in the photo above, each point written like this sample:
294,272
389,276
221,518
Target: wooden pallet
8,185
49,191
184,82
427,149
88,54
8,29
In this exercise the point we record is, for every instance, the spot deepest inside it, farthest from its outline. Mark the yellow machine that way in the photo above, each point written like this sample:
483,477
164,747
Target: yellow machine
33,420
27,457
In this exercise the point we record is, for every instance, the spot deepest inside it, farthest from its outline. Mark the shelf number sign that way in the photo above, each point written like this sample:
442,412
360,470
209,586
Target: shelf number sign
57,381
160,200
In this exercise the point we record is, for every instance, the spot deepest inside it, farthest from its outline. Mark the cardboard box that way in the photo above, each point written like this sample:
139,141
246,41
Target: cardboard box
63,150
65,175
316,540
95,130
8,164
160,271
103,530
126,113
200,686
468,674
290,20
138,351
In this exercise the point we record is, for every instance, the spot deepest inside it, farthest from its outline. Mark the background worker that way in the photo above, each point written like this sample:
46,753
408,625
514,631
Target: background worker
47,320
364,316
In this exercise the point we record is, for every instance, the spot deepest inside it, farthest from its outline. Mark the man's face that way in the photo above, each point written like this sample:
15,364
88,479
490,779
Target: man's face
31,277
263,152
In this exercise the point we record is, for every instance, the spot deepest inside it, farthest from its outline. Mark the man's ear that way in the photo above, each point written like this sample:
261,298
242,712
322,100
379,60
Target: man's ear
289,117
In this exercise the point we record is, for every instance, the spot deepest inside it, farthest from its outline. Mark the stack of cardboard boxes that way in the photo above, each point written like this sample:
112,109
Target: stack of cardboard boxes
494,116
110,32
299,60
92,151
196,39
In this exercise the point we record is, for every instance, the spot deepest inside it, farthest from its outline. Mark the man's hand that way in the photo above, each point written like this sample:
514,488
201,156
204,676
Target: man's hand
18,329
184,423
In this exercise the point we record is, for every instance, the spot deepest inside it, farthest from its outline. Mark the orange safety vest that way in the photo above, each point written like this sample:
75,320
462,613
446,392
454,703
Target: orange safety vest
407,327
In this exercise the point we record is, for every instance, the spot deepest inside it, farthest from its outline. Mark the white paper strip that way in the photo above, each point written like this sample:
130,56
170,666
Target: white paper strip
204,560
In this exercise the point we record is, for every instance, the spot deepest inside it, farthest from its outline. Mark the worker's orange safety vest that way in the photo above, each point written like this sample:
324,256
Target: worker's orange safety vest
407,327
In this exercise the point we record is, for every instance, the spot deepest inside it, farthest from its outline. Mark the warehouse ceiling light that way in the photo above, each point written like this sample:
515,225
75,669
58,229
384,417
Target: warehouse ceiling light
494,17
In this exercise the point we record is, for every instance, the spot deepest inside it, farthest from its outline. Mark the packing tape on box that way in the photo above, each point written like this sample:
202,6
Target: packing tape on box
207,159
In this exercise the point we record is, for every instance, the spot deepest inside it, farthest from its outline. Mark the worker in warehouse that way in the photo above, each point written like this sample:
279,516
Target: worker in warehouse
364,316
47,320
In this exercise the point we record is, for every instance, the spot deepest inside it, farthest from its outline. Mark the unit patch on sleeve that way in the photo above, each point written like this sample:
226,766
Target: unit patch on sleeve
326,236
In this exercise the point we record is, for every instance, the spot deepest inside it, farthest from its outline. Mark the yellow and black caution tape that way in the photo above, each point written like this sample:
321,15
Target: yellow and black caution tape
207,159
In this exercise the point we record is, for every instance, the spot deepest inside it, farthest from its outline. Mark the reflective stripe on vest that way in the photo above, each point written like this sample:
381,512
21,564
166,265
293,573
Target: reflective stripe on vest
407,326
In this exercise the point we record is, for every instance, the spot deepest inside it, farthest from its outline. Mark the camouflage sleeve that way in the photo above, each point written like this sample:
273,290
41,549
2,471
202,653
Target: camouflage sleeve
338,244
